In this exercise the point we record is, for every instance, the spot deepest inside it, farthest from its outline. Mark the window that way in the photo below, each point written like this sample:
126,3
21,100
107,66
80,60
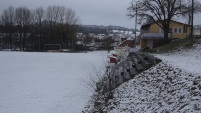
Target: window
177,30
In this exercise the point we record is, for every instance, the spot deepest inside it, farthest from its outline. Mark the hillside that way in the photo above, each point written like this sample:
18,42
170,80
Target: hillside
172,86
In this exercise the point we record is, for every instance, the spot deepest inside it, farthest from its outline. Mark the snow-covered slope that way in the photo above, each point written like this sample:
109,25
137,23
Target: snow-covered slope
185,59
172,86
45,82
159,89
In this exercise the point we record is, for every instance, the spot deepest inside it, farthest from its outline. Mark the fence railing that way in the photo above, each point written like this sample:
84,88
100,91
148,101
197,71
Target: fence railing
155,35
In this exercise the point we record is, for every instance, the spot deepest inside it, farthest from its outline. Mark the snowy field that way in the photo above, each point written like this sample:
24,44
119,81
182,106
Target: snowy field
45,82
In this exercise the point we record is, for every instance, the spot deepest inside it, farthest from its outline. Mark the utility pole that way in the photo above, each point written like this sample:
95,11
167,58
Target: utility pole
192,13
136,23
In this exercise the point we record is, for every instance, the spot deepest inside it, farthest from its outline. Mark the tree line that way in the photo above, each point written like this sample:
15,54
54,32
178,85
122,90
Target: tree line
31,29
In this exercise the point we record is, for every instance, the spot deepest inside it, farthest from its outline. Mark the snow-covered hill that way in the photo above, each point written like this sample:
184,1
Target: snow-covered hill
172,86
188,59
159,89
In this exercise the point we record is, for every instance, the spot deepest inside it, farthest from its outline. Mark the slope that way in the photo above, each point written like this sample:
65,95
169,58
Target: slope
173,85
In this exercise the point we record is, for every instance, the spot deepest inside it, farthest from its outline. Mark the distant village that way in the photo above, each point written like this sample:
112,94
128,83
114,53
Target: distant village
113,38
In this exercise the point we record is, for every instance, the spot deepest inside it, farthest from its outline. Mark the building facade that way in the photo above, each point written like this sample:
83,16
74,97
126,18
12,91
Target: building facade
152,35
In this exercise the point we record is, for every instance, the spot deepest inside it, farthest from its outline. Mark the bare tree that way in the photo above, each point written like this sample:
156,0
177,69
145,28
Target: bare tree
55,13
71,17
95,75
197,10
49,13
55,25
38,16
8,21
61,27
49,18
61,14
107,41
159,11
71,20
87,39
23,20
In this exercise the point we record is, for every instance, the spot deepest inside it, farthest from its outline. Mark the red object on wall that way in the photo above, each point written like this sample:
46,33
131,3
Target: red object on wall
113,59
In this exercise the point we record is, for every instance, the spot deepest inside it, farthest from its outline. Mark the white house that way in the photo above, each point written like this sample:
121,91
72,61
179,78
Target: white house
100,36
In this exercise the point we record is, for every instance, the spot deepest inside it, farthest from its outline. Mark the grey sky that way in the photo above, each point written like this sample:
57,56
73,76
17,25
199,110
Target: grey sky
91,12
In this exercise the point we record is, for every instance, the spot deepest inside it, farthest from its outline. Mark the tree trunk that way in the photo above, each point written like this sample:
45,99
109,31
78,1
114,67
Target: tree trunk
166,31
165,36
10,41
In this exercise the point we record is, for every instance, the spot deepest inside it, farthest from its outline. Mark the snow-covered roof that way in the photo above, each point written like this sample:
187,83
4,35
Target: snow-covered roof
130,38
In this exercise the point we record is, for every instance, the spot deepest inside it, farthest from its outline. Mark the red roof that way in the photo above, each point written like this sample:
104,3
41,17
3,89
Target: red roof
126,43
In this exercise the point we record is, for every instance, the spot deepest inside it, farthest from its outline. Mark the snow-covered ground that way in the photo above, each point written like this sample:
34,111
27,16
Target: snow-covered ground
185,59
45,82
172,86
161,89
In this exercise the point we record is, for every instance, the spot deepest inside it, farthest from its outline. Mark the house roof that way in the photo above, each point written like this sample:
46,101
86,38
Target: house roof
149,24
126,42
146,26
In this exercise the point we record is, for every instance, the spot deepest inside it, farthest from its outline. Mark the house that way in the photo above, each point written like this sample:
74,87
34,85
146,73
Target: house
101,36
126,43
79,35
197,31
123,48
92,35
91,46
79,45
153,36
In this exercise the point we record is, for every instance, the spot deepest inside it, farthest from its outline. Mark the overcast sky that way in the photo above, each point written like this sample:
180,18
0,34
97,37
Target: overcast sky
91,12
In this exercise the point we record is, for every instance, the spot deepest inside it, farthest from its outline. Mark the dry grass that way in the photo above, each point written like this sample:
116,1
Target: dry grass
175,45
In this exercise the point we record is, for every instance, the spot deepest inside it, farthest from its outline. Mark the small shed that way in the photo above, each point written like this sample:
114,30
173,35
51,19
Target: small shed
123,47
126,43
113,59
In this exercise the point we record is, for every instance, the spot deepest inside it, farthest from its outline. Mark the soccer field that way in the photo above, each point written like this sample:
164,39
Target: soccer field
32,82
